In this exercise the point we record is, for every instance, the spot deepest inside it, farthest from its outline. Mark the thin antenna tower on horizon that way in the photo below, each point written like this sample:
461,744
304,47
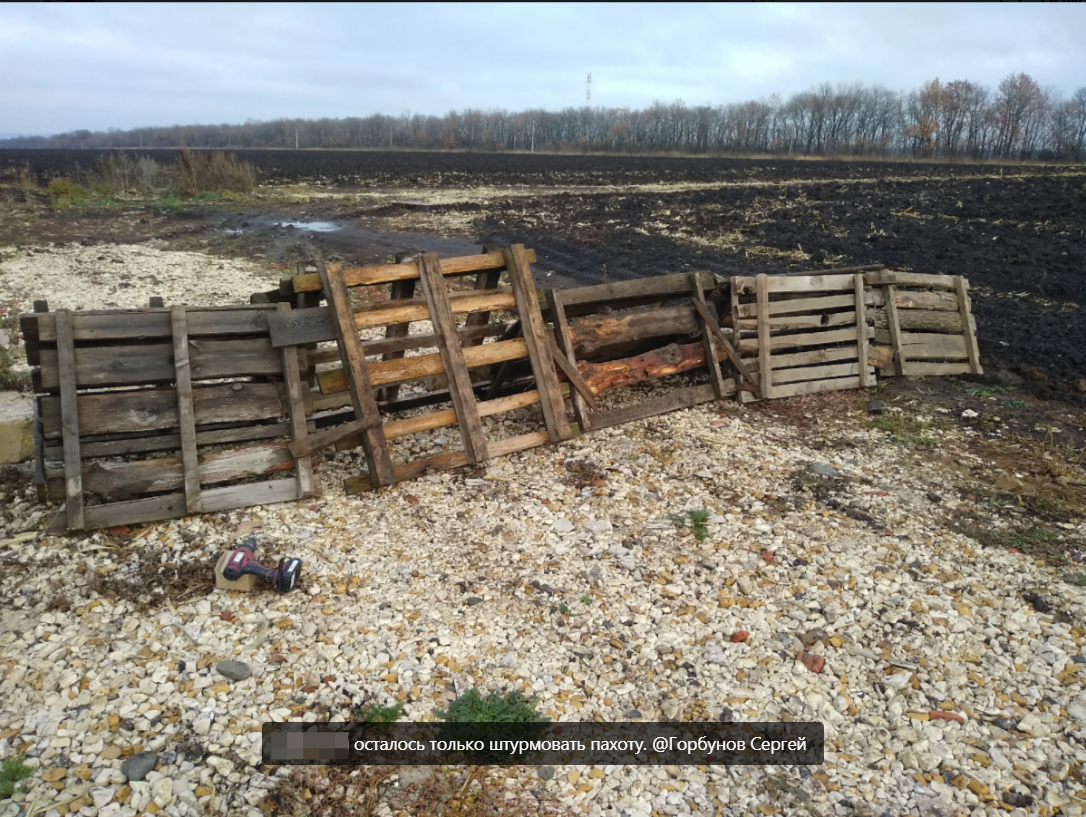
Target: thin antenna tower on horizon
588,90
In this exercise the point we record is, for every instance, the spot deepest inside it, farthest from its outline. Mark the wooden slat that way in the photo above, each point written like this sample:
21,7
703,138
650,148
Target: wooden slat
937,301
806,339
102,325
358,381
453,459
813,357
581,411
535,338
917,279
681,398
399,291
924,367
798,283
920,346
574,376
815,386
172,506
861,329
900,366
69,410
726,346
387,273
405,344
833,370
384,372
790,305
709,338
961,289
483,281
791,323
299,432
171,442
452,357
765,363
99,366
115,479
677,284
155,409
185,414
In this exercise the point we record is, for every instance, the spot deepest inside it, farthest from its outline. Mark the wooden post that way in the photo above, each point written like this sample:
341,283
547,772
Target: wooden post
969,326
894,325
535,338
398,290
765,365
564,341
708,338
303,465
452,357
483,280
69,418
861,329
186,417
358,381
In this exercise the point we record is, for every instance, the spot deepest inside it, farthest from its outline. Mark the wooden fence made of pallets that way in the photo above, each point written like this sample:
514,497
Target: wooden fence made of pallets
117,386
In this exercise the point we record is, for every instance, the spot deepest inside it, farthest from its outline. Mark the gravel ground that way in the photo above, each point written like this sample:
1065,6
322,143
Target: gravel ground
950,681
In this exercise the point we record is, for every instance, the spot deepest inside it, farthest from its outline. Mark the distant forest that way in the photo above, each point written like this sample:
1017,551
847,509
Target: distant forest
1017,120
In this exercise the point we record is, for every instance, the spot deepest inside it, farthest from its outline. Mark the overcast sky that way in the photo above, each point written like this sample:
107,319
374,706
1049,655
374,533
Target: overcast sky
74,65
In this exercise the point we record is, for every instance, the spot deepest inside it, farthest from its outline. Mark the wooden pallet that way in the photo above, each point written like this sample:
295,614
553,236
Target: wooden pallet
923,324
629,312
118,385
804,334
458,351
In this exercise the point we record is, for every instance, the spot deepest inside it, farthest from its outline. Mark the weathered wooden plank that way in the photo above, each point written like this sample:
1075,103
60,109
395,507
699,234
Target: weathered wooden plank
815,386
747,285
563,338
826,303
406,344
574,376
398,291
709,335
908,300
384,372
154,409
861,329
921,346
106,478
69,410
172,506
357,376
831,371
791,323
900,365
299,431
185,415
171,442
813,357
924,367
103,325
765,362
535,339
483,281
961,290
676,284
99,366
452,459
452,357
681,398
387,273
726,346
806,339
917,279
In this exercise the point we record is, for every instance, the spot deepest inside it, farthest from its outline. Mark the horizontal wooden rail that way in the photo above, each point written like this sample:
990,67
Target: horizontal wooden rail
387,273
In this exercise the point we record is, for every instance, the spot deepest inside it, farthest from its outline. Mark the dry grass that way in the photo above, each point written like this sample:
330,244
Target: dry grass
214,172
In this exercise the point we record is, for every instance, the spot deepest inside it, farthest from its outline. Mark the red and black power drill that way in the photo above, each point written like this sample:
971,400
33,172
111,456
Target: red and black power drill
242,561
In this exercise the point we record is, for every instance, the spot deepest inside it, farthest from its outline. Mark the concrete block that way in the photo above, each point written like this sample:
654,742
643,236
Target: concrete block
16,427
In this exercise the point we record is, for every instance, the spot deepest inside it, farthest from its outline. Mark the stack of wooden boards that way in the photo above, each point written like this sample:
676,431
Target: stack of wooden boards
481,342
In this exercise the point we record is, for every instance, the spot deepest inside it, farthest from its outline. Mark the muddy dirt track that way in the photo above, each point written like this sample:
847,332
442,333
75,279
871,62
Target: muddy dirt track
1017,232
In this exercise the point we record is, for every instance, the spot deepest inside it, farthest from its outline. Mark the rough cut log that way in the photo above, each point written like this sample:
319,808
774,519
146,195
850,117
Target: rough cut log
600,331
670,359
922,320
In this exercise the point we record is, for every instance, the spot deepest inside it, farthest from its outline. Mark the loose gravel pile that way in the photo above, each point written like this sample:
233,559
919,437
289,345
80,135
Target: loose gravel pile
826,585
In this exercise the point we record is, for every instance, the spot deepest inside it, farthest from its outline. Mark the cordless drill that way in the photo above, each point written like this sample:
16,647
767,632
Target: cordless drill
242,561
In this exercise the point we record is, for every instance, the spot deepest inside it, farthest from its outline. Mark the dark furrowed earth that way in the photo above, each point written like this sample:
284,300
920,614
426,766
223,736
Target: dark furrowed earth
1017,232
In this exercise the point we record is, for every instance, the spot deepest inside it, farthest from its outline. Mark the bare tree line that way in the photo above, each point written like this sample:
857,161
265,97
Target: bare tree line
959,119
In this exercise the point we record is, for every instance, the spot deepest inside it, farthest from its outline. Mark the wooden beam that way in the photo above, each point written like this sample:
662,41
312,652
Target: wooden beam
299,431
685,397
961,289
535,338
900,366
399,291
573,375
861,328
452,357
729,350
483,281
387,273
765,363
185,413
676,285
710,339
312,443
581,406
69,412
747,285
357,376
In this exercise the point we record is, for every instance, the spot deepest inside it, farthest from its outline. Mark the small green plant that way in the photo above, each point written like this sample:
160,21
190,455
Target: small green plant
694,521
1077,579
586,600
908,432
513,707
561,607
64,192
379,714
12,771
986,391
